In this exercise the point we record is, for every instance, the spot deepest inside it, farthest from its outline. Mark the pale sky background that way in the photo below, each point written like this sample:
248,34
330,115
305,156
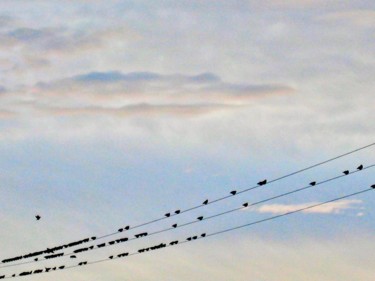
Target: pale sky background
116,112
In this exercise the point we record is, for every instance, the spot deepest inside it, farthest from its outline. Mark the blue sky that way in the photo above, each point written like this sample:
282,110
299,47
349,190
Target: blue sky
115,112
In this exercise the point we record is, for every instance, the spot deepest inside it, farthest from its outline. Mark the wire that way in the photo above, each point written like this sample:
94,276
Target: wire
230,229
229,196
212,216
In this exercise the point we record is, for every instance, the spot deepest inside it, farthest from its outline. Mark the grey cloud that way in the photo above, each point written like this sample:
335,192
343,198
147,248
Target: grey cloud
115,89
5,21
27,34
356,17
6,114
143,110
60,40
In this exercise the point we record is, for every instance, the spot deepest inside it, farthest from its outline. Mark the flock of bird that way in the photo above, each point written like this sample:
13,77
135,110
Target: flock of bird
50,253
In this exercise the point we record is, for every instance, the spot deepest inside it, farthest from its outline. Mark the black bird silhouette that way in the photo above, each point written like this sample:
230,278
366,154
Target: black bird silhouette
111,257
38,217
127,227
233,192
205,202
177,212
167,215
346,172
263,182
73,257
200,218
188,239
313,183
245,204
175,225
360,167
36,259
203,234
373,186
195,237
121,230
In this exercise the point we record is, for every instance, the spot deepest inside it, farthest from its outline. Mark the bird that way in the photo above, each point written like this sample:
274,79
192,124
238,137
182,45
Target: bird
38,217
245,204
200,218
111,257
127,227
177,212
203,234
233,192
360,167
346,172
175,225
373,186
313,183
205,202
195,237
121,230
73,257
167,215
188,239
36,259
263,182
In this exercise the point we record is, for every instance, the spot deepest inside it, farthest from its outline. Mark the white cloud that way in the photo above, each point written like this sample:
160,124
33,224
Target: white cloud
330,208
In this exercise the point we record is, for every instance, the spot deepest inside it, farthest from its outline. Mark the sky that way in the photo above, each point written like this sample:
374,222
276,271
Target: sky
113,113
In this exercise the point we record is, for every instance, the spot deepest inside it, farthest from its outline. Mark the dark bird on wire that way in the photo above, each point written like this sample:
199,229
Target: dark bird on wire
203,234
245,204
38,217
346,172
175,225
200,218
233,192
127,227
177,212
167,215
373,186
313,183
205,202
360,167
73,257
263,182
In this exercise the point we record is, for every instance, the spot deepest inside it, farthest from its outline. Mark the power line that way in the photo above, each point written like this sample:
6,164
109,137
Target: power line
234,193
244,206
213,233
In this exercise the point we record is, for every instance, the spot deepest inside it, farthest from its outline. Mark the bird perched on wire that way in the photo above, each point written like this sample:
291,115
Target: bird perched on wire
38,217
360,167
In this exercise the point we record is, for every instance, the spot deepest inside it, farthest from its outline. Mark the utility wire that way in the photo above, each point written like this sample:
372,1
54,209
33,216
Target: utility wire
228,229
209,217
236,193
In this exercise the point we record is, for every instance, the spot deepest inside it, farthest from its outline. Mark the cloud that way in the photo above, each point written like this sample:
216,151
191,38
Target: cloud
5,114
294,4
331,208
58,40
148,92
356,17
143,110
